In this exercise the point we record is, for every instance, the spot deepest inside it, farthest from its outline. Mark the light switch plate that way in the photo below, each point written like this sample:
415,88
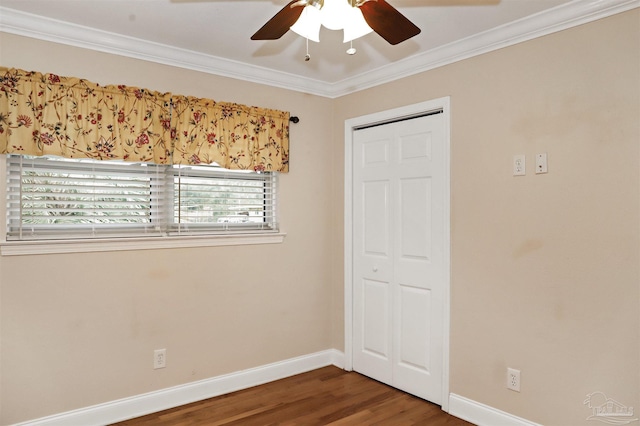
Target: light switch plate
541,163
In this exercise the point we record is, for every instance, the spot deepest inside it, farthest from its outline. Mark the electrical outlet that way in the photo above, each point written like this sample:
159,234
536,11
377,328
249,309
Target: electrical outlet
159,358
519,165
513,379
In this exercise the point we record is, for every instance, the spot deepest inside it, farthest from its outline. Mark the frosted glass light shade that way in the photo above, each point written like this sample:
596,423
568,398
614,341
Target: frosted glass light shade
355,25
334,14
308,25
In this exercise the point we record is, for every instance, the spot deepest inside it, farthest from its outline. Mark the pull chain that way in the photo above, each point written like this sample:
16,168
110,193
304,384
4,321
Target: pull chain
307,56
351,50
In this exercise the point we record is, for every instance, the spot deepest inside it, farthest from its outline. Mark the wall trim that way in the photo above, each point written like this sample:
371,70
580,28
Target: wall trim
559,18
164,399
483,415
19,248
140,405
567,15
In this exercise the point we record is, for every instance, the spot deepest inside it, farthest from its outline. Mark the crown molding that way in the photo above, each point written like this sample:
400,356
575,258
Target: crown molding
34,26
568,15
576,12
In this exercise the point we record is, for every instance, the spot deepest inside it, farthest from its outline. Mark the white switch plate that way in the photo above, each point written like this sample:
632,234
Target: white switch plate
519,165
541,163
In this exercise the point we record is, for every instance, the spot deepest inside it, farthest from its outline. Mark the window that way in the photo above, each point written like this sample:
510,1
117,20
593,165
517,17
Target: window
57,198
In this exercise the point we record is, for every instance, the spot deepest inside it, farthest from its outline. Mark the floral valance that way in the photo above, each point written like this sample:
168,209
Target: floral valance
45,114
232,135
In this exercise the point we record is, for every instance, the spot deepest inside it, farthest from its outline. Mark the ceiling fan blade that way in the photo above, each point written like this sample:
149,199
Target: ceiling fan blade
277,26
388,22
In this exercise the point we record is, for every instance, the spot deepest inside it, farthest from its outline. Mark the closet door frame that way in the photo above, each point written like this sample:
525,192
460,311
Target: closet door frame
377,118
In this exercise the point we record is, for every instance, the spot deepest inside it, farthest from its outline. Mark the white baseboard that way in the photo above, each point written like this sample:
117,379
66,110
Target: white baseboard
483,415
164,399
140,405
337,358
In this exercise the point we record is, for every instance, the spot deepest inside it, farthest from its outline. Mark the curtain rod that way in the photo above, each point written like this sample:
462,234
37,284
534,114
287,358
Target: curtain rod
294,119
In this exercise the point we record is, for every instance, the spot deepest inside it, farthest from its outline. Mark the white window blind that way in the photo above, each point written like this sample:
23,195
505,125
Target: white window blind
56,198
211,198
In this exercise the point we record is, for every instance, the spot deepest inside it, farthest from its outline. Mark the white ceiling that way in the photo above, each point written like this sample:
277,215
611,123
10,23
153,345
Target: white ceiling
214,35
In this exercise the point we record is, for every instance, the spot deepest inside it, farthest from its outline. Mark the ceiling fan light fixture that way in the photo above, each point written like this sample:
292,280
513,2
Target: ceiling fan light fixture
355,17
308,25
355,25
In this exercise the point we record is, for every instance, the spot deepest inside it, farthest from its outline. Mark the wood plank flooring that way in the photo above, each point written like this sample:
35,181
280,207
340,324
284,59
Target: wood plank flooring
327,396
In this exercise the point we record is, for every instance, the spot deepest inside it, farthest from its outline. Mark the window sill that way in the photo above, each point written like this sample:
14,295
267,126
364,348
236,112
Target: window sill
19,248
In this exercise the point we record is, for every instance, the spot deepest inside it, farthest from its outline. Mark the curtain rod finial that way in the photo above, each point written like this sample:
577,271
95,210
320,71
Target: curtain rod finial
294,119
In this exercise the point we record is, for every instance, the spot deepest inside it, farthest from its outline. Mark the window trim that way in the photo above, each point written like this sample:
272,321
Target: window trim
127,243
18,248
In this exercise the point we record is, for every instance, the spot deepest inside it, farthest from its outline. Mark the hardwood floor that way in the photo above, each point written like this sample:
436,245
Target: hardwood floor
327,396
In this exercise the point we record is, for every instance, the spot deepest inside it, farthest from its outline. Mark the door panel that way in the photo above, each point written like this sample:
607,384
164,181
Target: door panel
376,330
398,246
415,218
413,350
372,243
376,221
415,146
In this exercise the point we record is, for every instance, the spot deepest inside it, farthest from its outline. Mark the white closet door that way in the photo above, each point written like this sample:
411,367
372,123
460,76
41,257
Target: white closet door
398,254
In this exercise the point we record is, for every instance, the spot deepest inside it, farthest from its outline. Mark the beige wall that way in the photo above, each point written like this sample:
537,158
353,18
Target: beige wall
545,269
80,329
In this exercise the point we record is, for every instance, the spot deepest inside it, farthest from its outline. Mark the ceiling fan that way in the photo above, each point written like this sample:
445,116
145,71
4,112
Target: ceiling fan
383,18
